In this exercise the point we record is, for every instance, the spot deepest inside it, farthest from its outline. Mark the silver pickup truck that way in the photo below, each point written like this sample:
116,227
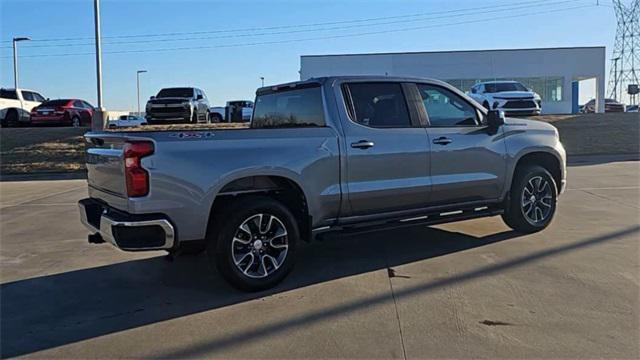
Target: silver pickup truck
321,155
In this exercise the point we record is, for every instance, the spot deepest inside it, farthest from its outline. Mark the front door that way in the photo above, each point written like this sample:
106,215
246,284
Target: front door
387,150
467,160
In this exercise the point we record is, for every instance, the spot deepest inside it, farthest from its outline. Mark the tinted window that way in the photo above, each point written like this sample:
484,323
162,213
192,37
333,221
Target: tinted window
28,96
38,97
500,87
87,105
380,105
78,104
445,108
176,92
292,108
8,94
56,103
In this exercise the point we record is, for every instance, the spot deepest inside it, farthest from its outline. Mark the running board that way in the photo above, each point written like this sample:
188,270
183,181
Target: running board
427,219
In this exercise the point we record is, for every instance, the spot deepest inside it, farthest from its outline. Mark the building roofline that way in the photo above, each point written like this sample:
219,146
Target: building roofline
461,51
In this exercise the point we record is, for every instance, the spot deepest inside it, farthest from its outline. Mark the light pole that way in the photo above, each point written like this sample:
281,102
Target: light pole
97,122
15,59
262,79
138,86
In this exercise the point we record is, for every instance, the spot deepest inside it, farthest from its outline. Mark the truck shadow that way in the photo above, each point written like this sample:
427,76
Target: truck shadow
55,310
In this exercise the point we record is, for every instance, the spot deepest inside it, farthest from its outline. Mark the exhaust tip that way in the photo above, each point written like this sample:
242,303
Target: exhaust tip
95,239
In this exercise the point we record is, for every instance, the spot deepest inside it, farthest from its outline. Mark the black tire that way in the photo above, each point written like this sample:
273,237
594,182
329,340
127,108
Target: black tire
11,118
223,243
75,121
194,117
520,216
216,118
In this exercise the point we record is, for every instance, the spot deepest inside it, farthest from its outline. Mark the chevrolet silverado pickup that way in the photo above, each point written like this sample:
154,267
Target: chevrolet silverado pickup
322,155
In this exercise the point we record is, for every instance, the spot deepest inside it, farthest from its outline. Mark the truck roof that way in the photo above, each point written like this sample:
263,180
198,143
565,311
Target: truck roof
322,80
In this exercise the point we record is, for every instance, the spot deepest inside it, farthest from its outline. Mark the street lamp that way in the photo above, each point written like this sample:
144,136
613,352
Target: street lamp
138,86
15,59
262,79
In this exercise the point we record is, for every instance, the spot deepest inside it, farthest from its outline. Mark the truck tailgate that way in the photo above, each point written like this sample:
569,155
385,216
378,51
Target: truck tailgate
105,164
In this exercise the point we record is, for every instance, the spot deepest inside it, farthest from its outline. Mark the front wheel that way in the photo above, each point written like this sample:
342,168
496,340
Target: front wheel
531,204
253,246
75,121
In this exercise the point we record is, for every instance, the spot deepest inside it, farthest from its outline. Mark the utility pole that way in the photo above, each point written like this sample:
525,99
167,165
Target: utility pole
15,59
97,122
138,86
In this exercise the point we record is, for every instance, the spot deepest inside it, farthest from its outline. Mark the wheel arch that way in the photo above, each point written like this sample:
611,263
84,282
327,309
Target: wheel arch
280,187
547,159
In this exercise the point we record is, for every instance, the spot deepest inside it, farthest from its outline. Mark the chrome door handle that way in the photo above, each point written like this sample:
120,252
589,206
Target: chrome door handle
442,140
362,144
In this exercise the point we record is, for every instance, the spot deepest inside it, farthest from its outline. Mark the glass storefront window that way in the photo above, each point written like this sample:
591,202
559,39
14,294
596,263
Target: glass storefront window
549,88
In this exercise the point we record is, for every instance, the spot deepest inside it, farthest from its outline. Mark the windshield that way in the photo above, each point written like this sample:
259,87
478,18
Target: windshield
501,87
175,92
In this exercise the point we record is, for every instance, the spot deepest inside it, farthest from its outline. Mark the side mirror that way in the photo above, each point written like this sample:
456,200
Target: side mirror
152,97
199,97
495,119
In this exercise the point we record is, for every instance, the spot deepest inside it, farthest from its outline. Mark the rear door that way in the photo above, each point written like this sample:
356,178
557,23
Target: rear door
387,149
467,160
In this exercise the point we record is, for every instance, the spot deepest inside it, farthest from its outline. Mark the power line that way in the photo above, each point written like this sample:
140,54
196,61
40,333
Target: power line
312,38
474,13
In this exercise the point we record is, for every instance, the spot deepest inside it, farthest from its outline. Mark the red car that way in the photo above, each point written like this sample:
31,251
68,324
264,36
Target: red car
71,112
610,105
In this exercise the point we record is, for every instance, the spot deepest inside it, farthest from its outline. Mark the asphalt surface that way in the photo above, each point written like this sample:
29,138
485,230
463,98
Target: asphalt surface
468,289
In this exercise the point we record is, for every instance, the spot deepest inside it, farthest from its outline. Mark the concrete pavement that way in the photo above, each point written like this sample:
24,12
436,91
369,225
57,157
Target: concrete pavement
468,289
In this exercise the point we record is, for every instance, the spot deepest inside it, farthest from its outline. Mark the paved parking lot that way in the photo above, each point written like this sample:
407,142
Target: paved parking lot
469,289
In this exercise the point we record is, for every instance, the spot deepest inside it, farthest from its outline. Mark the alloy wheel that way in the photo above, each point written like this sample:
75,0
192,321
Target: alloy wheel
260,245
537,200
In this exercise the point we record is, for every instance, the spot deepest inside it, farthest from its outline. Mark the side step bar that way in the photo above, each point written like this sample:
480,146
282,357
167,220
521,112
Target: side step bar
427,219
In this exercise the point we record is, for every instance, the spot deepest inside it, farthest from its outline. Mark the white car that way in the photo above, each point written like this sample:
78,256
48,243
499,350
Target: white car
126,121
509,96
15,106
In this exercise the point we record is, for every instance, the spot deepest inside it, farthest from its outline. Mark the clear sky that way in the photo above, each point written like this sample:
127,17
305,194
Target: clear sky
219,60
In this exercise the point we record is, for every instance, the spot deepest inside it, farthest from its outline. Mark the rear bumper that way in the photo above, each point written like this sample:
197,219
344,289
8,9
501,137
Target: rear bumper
126,231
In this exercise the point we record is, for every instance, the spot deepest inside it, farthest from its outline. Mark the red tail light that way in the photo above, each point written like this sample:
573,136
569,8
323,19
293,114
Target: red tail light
137,178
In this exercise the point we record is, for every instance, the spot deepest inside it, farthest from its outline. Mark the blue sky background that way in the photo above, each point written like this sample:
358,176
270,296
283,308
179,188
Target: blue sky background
234,72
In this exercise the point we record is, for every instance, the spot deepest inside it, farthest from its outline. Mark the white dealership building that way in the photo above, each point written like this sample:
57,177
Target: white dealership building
554,73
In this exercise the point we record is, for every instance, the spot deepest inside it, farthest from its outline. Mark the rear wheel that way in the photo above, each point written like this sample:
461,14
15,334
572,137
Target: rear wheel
11,119
253,246
216,118
532,200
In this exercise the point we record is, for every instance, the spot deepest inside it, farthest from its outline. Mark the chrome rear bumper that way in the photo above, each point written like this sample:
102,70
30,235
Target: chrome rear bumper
125,232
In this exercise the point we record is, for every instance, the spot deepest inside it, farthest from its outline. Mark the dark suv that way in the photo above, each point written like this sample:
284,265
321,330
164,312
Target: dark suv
178,105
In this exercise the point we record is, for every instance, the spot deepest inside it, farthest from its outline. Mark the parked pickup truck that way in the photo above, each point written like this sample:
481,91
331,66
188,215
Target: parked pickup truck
321,155
16,106
235,111
178,105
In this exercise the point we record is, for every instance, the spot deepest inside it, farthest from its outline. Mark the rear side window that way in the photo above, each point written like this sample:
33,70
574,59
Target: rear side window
379,105
28,96
8,94
290,108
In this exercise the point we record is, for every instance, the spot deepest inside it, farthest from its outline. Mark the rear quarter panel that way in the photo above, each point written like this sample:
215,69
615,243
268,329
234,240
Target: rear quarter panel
188,169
